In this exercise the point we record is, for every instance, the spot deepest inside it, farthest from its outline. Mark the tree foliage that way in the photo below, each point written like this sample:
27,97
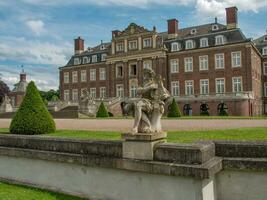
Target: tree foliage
51,95
174,110
102,111
4,90
32,117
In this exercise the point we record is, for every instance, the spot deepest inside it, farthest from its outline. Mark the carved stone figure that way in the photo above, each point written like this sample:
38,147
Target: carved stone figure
6,105
87,105
149,108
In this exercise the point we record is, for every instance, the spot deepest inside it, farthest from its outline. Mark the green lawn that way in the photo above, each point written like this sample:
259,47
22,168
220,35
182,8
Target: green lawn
246,134
15,192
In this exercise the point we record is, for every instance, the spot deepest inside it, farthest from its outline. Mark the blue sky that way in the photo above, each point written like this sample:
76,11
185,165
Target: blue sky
39,33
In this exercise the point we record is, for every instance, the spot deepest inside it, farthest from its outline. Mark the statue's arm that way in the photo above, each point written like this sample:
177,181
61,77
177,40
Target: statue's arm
141,90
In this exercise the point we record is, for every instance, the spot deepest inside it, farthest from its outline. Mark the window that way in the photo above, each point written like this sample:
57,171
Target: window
119,71
174,65
147,42
85,60
74,77
133,70
75,96
220,85
119,47
189,88
94,58
133,45
203,62
265,89
204,42
93,92
103,57
92,74
193,31
219,40
77,61
66,77
189,44
188,62
175,46
219,61
147,64
66,95
133,91
237,84
103,92
236,59
175,90
204,86
102,74
214,27
264,51
83,76
102,47
119,91
265,68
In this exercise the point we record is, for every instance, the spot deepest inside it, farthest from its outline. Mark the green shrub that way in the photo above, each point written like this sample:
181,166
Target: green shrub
102,111
32,117
174,110
223,113
204,113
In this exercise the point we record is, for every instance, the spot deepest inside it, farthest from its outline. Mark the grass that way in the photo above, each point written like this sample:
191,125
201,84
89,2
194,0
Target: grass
245,134
15,192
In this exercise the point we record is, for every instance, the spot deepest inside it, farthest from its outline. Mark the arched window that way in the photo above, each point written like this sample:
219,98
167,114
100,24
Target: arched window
220,40
222,109
204,109
214,27
204,42
187,110
264,51
189,44
175,46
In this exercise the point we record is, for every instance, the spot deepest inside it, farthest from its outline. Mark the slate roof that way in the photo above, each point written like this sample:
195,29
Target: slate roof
261,42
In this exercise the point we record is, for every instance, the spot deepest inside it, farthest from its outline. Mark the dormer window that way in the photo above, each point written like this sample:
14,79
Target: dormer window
175,46
215,27
77,61
102,47
189,44
220,40
264,51
103,57
94,58
265,39
204,42
85,60
193,31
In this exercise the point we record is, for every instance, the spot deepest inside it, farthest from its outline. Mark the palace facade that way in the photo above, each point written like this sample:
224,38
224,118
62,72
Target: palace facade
208,64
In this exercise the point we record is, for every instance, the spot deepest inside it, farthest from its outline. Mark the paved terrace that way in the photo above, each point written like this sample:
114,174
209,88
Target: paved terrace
168,124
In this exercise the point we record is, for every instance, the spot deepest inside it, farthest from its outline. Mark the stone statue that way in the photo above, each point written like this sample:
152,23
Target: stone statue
87,105
149,108
6,105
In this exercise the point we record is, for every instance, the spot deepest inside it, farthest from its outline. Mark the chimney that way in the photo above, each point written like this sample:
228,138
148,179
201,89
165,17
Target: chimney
115,33
172,28
231,17
78,45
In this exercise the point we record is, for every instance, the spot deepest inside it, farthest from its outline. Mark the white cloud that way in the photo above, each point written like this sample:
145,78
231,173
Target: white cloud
37,26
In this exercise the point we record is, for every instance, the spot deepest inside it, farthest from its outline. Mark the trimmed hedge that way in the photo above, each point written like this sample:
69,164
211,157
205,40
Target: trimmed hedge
102,111
32,118
174,110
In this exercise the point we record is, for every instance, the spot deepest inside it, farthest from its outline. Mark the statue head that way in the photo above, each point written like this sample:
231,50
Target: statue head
149,75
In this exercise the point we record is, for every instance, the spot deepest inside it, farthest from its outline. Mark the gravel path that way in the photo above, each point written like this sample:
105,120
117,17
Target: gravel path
168,125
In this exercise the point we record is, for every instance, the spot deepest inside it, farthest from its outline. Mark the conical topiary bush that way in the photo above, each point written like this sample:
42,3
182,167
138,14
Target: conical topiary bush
102,111
32,117
174,110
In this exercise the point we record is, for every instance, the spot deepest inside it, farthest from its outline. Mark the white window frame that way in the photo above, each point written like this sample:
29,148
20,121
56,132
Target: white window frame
147,64
265,89
233,84
175,88
66,95
117,75
103,56
174,64
175,46
220,59
265,68
120,90
92,74
220,38
147,44
206,42
77,61
133,91
188,42
130,69
102,92
120,47
66,77
75,95
233,61
203,90
203,64
94,58
216,85
93,92
83,75
102,74
133,45
215,27
188,68
85,60
264,51
74,77
186,85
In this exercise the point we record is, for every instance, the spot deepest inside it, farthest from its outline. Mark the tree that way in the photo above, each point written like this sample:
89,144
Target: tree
50,95
174,110
102,111
32,117
4,90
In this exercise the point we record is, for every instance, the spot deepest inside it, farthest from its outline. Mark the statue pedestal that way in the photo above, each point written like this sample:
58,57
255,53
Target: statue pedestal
141,145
